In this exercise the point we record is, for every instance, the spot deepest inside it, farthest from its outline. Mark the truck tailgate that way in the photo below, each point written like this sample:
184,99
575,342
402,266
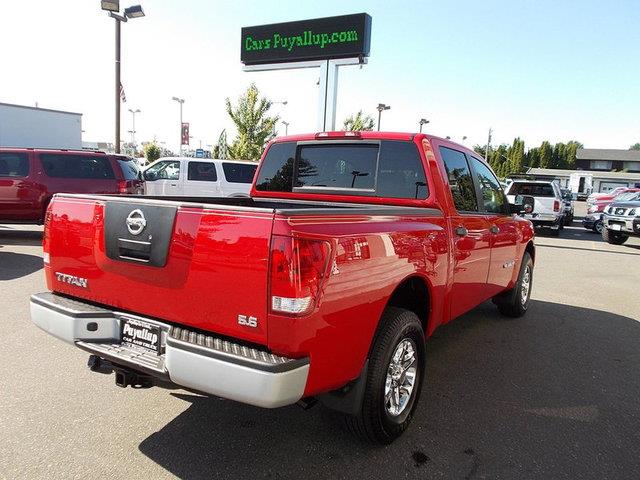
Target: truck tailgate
195,265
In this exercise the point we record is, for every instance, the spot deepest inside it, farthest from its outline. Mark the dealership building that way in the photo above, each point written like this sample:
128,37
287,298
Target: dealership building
606,169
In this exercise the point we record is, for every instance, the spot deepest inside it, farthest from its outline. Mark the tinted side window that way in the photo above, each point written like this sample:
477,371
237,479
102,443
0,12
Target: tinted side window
460,181
400,171
14,165
239,172
77,166
276,171
129,169
168,170
202,172
493,197
337,166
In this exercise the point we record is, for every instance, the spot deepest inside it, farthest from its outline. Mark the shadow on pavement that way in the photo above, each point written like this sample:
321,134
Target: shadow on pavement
16,265
551,395
31,238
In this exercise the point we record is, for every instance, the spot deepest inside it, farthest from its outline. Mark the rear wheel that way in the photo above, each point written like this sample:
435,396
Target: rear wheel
394,378
614,238
515,302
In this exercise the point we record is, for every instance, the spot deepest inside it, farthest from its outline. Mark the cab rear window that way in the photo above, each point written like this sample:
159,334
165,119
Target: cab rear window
533,189
389,169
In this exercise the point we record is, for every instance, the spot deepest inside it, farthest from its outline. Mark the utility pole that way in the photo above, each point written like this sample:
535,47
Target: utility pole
486,152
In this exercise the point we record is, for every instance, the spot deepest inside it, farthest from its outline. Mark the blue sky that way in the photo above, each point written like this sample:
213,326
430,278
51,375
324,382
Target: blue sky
557,70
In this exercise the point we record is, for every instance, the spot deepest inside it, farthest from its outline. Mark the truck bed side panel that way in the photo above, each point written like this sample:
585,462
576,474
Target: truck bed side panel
372,256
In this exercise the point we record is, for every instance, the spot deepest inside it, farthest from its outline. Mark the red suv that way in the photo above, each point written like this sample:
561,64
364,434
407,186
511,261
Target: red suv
30,177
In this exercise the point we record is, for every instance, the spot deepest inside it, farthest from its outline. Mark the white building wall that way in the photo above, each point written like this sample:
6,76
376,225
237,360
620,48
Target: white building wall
39,128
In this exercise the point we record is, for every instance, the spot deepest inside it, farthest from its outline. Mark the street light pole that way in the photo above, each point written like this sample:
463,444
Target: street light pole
381,107
286,127
135,11
133,131
117,89
423,121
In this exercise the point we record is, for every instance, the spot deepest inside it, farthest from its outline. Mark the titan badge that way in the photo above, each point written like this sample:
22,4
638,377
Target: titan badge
72,280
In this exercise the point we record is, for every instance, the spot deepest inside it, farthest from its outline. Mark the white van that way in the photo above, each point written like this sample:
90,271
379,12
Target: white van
199,177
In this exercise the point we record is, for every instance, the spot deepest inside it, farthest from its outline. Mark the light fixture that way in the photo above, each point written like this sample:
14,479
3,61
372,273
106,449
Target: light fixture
110,5
135,11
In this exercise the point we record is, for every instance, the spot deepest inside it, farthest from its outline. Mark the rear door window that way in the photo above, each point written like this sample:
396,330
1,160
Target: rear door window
239,172
14,165
77,166
202,172
460,180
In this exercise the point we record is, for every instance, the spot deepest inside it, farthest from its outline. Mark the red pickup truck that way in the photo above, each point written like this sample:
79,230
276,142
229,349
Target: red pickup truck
324,285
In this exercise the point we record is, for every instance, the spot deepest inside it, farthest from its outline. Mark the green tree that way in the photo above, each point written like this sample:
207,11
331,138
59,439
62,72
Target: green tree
558,158
255,128
480,149
515,155
570,153
546,152
358,122
152,152
635,146
532,158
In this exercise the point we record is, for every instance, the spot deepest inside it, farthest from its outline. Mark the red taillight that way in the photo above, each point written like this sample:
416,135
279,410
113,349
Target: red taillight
122,186
298,268
556,206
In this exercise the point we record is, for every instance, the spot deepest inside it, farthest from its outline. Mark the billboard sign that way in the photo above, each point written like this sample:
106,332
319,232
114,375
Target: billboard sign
345,36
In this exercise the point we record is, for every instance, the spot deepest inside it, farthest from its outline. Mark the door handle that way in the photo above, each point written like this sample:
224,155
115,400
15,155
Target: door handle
494,229
173,184
462,232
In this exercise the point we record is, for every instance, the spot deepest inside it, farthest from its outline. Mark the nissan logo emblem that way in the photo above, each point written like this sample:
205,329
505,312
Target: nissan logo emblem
136,222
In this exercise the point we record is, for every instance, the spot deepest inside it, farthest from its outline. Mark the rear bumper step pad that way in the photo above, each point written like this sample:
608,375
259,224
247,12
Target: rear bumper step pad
191,359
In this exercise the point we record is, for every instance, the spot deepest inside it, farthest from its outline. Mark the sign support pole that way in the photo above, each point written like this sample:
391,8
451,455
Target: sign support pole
328,91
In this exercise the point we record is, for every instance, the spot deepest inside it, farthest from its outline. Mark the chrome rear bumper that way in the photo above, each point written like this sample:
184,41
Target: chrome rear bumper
190,359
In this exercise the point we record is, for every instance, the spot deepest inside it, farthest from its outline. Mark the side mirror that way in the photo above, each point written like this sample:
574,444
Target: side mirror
522,204
149,176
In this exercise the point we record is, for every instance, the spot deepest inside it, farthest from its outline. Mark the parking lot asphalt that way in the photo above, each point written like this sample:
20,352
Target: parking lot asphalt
552,395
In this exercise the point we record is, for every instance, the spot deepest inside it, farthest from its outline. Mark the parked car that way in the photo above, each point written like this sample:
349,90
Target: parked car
199,177
30,177
621,220
598,197
323,285
593,220
548,208
567,206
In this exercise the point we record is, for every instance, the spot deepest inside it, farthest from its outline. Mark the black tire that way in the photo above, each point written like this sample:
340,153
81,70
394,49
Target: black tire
374,422
568,220
614,238
514,303
598,227
554,232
